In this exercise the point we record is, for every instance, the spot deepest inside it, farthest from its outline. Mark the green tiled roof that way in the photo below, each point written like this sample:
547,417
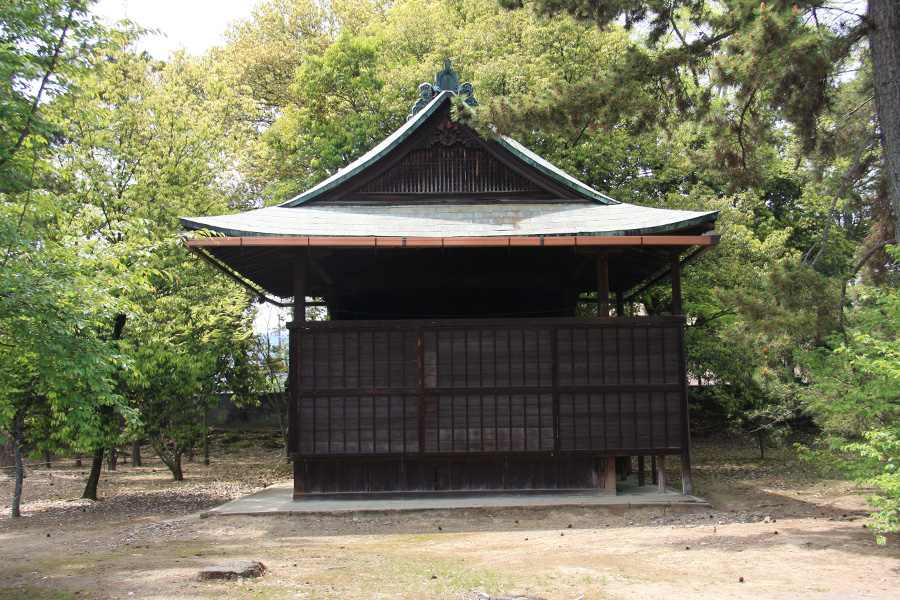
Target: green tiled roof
448,220
591,213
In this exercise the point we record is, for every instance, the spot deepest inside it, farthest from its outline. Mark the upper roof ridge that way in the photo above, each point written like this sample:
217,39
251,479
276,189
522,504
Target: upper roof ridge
445,80
431,97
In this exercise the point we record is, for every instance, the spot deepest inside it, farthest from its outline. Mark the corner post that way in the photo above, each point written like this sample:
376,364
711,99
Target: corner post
300,288
602,284
675,268
687,485
301,481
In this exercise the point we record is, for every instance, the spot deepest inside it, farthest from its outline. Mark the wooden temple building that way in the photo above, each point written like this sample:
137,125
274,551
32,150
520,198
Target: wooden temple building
452,266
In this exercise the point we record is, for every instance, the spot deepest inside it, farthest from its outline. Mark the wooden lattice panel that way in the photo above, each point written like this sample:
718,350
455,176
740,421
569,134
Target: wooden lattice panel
488,387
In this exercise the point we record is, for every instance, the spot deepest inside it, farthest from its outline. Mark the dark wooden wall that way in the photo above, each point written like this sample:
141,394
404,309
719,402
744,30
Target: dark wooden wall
553,394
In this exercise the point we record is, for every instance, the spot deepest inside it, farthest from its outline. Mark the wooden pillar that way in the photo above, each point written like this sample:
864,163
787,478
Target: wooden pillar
602,284
301,485
687,485
620,304
654,475
675,261
609,476
300,288
662,473
641,470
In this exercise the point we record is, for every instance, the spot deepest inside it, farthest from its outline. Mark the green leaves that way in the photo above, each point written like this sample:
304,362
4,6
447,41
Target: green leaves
54,321
42,49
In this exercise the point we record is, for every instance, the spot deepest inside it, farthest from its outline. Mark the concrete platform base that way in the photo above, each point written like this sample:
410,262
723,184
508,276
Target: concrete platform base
278,500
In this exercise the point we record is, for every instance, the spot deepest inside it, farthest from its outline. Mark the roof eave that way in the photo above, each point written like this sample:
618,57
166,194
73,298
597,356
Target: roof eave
550,170
583,241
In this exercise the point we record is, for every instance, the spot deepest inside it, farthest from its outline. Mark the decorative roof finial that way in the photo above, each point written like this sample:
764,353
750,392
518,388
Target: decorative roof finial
447,80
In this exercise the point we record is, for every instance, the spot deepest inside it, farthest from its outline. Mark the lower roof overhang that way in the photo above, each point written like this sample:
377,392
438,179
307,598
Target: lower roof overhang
265,264
710,238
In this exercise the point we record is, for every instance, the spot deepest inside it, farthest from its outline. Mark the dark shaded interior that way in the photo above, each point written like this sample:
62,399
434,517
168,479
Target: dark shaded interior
401,283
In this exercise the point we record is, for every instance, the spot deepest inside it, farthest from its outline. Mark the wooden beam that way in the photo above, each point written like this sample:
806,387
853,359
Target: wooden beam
317,266
666,273
602,284
236,278
577,268
620,308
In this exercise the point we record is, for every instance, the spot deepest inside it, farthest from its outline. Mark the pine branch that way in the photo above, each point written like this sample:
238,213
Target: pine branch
845,182
855,270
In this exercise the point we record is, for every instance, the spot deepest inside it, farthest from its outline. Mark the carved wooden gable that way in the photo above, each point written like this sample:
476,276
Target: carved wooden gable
448,161
445,163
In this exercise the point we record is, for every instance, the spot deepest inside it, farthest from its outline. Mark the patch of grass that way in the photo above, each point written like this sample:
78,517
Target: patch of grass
454,577
232,438
31,592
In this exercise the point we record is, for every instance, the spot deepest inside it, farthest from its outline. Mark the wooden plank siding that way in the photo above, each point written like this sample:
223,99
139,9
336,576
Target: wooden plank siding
486,404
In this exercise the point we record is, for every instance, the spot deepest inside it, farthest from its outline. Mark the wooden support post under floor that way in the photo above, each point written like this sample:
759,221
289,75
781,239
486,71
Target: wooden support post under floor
661,463
609,478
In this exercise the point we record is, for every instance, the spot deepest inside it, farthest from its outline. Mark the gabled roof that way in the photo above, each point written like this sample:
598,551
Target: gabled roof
437,178
437,206
389,145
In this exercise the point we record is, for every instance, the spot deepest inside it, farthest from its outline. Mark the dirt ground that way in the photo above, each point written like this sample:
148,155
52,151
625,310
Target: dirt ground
776,530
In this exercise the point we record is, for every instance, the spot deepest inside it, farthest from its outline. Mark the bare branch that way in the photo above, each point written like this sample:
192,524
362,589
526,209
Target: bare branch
740,130
845,182
855,270
852,112
688,48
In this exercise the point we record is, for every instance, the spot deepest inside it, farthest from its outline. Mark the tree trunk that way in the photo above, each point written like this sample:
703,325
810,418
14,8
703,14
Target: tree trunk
177,475
761,440
112,459
78,456
90,489
47,459
884,46
136,453
206,436
20,468
282,410
171,459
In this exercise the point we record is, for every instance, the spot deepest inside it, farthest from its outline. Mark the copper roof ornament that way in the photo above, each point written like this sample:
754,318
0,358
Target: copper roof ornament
445,80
